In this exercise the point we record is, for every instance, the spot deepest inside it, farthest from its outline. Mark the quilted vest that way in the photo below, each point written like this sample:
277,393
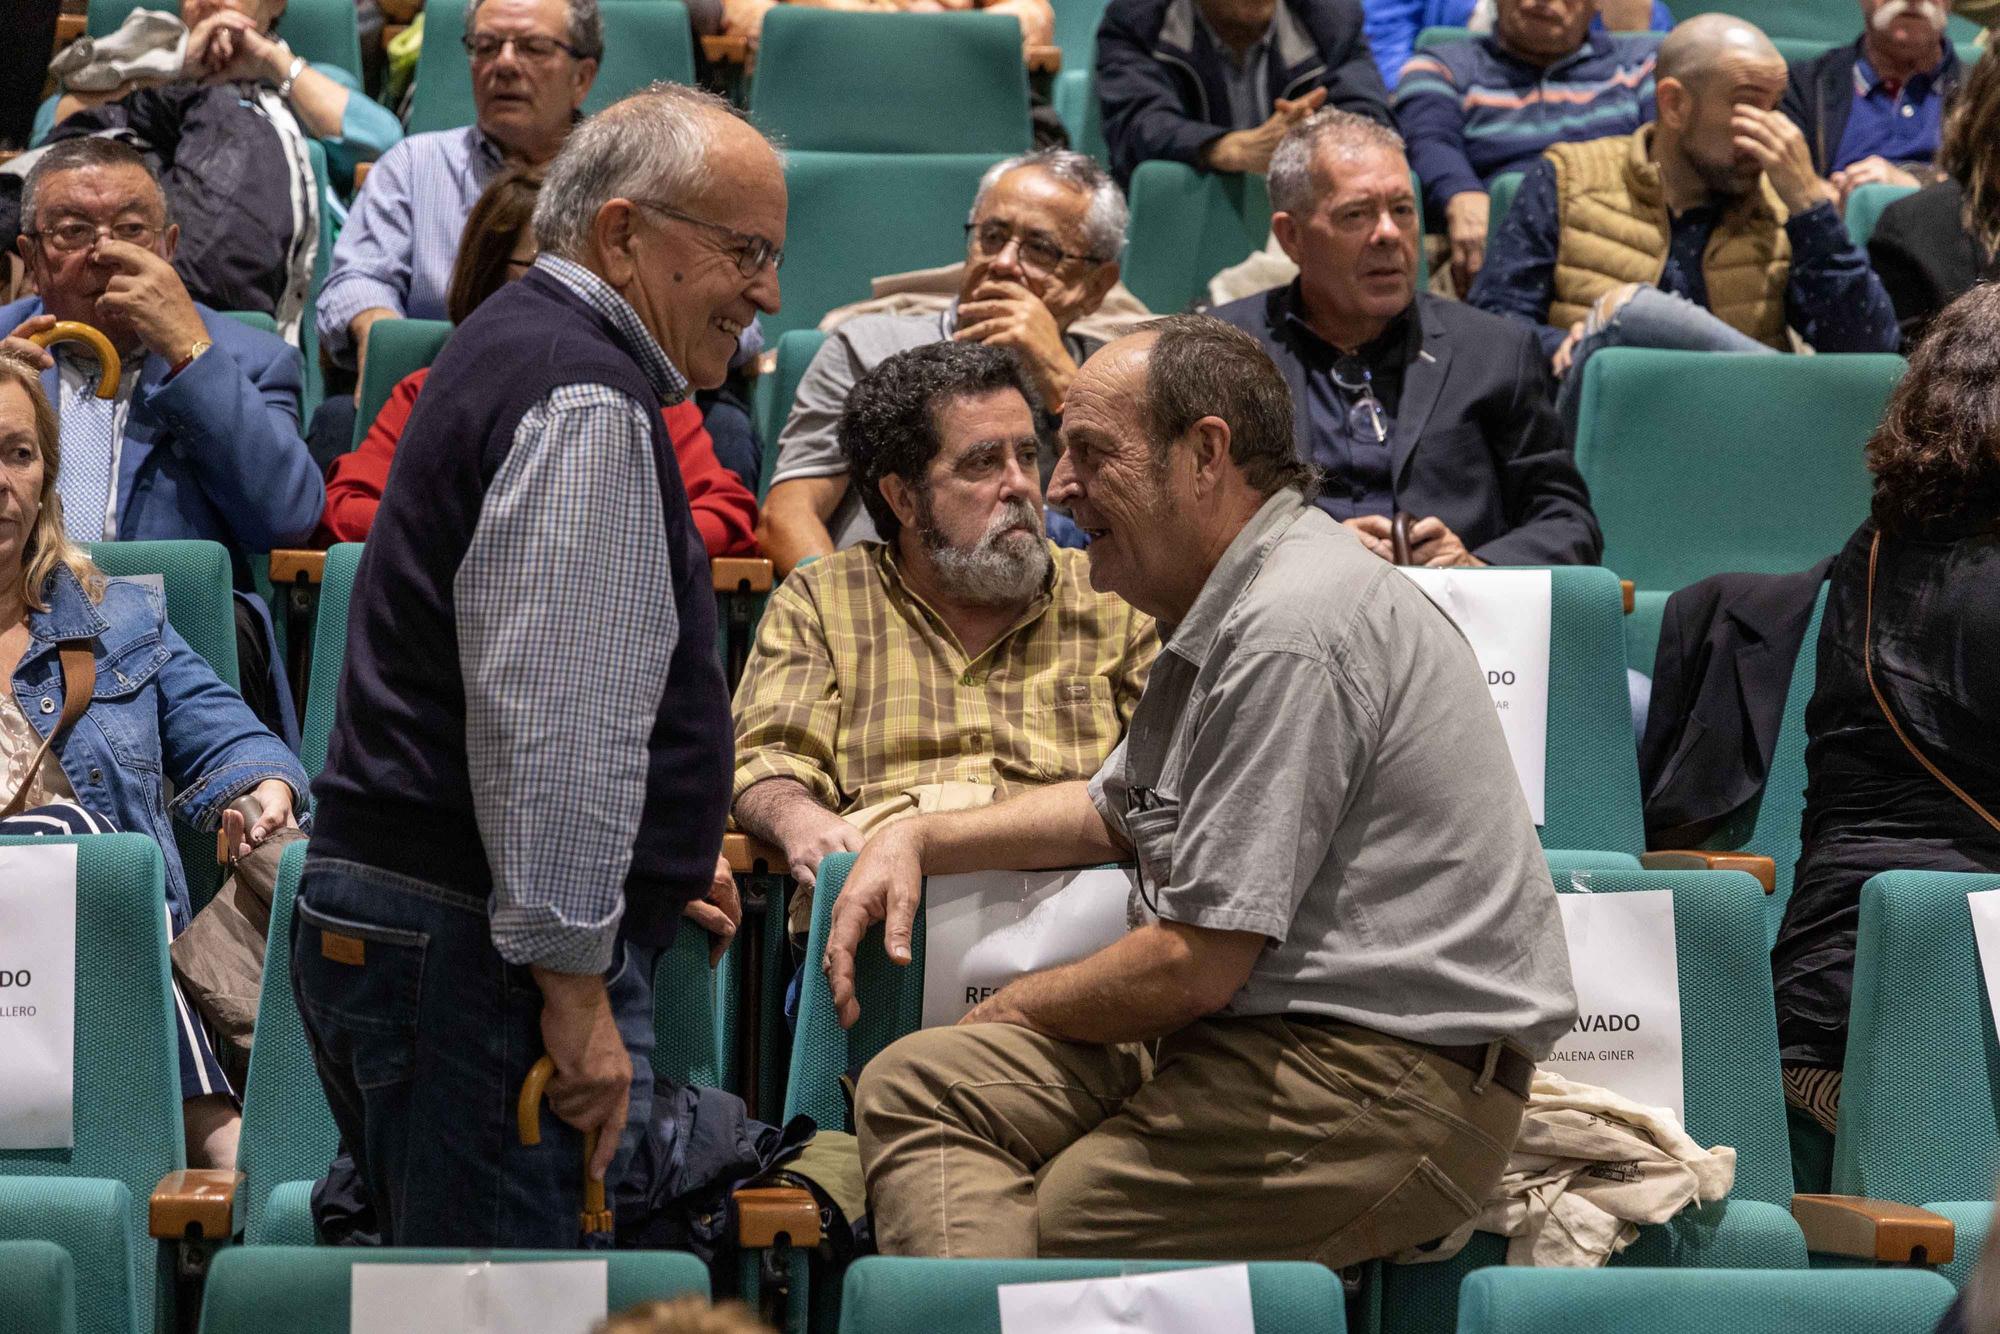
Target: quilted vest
1612,212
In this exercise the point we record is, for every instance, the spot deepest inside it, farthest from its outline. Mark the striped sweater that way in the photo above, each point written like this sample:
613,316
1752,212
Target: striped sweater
1470,111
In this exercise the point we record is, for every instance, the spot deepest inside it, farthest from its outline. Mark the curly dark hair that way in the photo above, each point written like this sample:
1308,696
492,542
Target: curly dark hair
890,423
1936,455
1201,367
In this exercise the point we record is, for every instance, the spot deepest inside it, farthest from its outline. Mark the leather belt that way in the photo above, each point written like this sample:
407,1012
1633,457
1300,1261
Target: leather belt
1511,1070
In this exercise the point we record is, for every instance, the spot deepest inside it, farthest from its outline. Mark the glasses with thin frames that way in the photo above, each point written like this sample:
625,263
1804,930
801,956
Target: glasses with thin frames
77,234
1039,256
753,253
1365,414
485,46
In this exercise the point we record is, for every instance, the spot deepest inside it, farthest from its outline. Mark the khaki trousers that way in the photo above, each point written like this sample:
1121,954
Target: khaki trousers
1234,1139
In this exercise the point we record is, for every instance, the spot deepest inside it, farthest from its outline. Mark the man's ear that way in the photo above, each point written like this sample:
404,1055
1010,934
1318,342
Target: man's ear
1671,101
1099,285
612,233
1208,448
902,498
580,82
170,241
1286,228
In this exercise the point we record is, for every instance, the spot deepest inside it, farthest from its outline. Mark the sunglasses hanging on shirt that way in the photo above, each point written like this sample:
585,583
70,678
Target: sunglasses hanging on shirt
1364,415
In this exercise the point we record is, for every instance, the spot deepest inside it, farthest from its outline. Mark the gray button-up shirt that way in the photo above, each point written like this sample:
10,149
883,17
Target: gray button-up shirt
1317,758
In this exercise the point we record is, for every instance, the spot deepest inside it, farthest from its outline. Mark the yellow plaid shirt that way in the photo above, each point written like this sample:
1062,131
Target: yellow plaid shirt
860,692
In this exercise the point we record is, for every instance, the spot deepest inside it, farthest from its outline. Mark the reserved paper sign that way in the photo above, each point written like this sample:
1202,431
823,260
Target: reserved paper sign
533,1297
1985,907
38,996
1504,615
1628,997
1214,1300
983,930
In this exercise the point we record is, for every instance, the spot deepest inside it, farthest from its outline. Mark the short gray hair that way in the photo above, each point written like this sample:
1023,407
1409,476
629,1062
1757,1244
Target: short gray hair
1103,224
90,150
1291,183
586,27
1197,367
654,145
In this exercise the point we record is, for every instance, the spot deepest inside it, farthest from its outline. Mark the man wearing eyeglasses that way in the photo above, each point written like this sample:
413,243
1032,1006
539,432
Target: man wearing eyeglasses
1407,403
529,768
533,62
1041,253
201,438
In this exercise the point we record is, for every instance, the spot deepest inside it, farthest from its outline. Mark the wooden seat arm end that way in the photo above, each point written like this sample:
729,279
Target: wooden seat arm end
1629,591
1699,859
288,567
1879,1230
197,1204
741,574
751,856
724,48
768,1216
1045,60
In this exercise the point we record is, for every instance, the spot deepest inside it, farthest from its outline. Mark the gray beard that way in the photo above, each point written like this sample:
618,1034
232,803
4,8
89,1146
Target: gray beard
990,573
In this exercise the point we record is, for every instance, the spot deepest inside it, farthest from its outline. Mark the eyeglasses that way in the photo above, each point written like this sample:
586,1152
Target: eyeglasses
1039,255
485,46
76,234
1365,414
753,253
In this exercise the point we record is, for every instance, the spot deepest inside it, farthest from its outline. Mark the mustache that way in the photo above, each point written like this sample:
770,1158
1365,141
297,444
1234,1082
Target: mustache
1016,514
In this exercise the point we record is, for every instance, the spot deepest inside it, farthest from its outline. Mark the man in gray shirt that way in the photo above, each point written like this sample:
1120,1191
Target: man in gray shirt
1041,253
1319,1043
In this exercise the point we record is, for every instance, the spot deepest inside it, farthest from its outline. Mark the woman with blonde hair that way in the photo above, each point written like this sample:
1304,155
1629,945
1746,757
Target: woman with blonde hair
106,704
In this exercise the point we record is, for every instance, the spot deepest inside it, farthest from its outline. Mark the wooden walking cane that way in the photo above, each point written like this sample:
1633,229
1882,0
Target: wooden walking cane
1399,538
528,1118
70,331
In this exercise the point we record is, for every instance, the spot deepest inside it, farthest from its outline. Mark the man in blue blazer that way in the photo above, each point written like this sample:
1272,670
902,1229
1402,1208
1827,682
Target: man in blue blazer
1405,402
202,438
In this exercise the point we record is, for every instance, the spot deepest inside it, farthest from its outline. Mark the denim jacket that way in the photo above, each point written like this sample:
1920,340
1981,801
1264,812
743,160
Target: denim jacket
159,720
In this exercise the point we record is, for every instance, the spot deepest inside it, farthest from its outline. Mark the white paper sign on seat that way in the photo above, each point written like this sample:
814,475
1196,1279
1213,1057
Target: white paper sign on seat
38,996
983,930
1211,1300
1505,616
532,1297
1985,908
1628,997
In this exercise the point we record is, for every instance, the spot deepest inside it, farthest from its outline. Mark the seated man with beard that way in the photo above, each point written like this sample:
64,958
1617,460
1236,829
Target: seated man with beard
961,658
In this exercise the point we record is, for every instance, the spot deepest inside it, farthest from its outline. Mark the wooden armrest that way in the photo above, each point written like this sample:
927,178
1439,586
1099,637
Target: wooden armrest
69,27
1045,60
741,574
725,48
1626,588
197,1204
288,567
1879,1230
1698,859
361,173
750,856
768,1216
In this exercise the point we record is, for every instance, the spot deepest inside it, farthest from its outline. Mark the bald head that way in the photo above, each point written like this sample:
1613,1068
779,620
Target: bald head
1710,42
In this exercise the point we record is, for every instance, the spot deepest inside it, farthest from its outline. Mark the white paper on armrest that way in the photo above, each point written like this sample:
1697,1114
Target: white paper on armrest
38,996
532,1297
1626,965
1985,908
984,929
1505,615
1212,1300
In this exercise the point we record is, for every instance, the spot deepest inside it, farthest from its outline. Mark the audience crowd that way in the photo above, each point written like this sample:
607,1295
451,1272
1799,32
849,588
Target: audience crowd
1057,581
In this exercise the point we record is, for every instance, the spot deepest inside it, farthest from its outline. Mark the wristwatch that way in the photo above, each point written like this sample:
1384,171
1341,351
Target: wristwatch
195,349
291,77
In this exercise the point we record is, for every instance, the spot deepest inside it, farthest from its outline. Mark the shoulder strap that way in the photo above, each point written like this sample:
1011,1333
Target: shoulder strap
79,677
1882,702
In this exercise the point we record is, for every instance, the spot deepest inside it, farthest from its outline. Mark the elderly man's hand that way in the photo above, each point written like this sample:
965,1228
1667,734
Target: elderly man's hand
1373,530
1565,355
1434,545
147,293
1006,314
1778,146
809,833
720,913
1250,150
1465,217
32,353
228,45
1872,170
886,884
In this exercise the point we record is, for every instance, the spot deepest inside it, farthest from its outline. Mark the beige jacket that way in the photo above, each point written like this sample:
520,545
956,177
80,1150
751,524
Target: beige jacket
1588,1168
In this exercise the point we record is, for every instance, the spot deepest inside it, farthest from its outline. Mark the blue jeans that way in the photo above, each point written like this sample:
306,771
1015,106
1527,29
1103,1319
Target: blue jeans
423,1034
1652,318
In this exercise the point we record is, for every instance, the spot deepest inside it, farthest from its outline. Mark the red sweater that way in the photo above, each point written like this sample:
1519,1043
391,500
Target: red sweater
724,510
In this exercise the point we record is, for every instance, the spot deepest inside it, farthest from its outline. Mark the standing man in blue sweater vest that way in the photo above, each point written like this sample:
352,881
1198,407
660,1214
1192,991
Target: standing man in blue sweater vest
530,762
